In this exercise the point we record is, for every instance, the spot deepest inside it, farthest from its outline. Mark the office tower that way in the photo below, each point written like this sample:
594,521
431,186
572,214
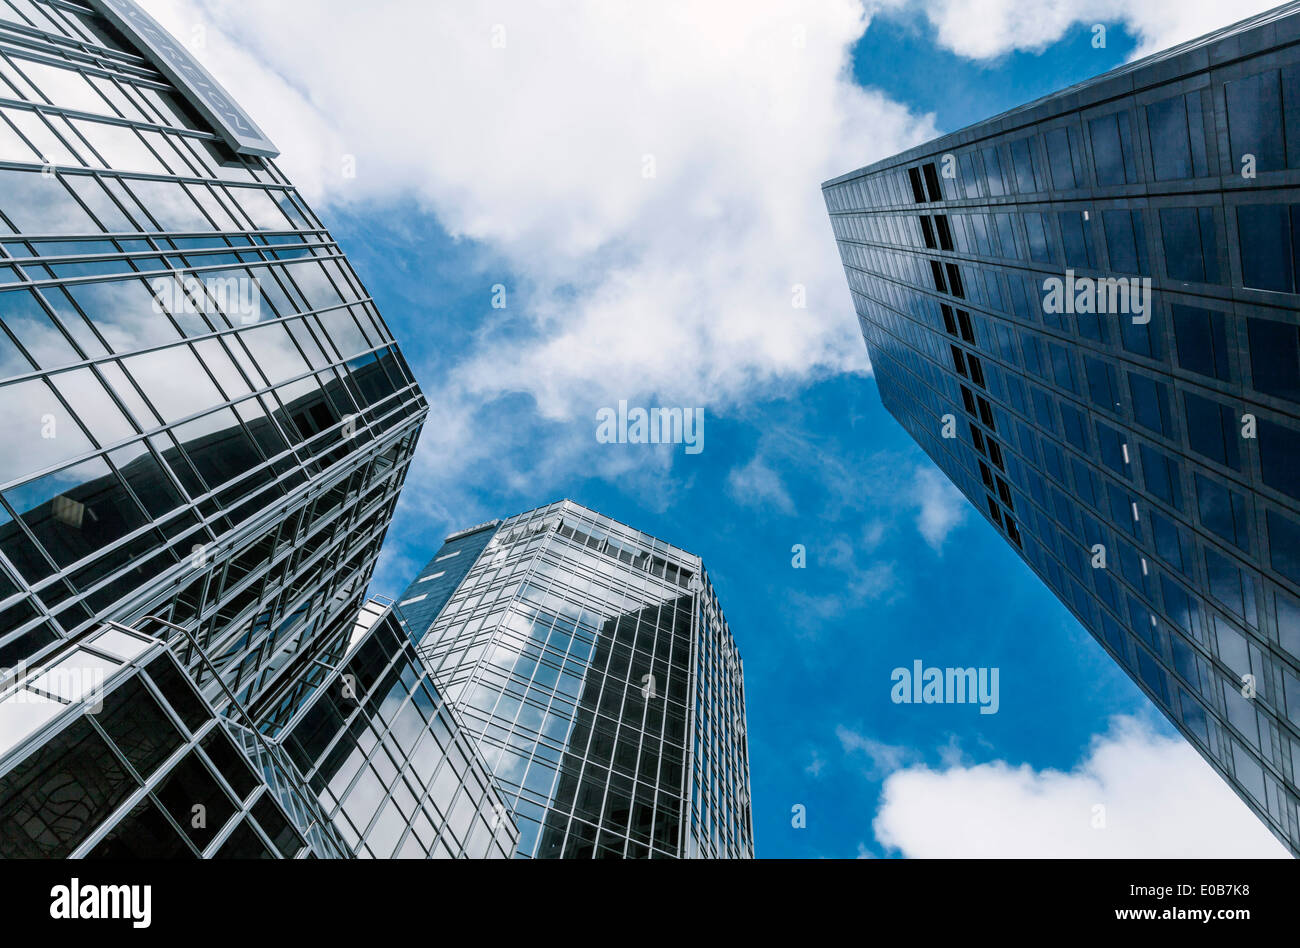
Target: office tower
205,420
387,759
1139,450
594,667
373,764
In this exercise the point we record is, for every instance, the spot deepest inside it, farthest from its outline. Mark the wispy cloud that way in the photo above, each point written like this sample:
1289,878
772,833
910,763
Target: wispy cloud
881,758
755,484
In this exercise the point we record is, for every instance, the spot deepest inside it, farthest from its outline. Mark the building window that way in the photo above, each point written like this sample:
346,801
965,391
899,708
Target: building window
993,173
927,233
918,190
1053,461
1191,244
1076,235
1284,545
1259,109
1033,354
1065,158
1177,137
1274,358
1085,483
1028,179
1223,512
1072,423
1139,339
1040,246
1063,368
1042,409
1267,254
1202,341
1126,241
1113,450
1279,457
931,181
1212,430
1103,386
1225,583
970,175
1112,149
1150,403
1162,476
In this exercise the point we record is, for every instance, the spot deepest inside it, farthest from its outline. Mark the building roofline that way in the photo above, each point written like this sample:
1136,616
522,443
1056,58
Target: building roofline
1248,37
194,83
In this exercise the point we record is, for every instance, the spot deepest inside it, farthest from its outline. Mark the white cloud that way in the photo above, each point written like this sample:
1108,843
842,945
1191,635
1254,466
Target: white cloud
985,29
812,612
882,758
682,284
1160,798
941,507
757,485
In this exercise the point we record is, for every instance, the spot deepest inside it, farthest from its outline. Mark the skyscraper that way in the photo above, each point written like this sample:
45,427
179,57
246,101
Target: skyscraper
206,424
594,667
1085,311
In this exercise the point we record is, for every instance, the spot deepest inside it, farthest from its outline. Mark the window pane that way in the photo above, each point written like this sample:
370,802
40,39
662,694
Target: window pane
195,801
136,723
35,820
143,834
1263,235
1202,341
30,415
1255,121
1211,430
1275,358
37,206
1170,150
1279,457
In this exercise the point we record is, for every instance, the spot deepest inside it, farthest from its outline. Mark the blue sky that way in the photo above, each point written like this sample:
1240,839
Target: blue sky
675,289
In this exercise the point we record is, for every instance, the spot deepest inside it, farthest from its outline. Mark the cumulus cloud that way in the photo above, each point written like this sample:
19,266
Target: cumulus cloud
1155,790
649,174
986,29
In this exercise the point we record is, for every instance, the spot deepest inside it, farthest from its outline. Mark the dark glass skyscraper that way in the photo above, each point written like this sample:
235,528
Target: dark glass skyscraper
594,667
1085,311
205,424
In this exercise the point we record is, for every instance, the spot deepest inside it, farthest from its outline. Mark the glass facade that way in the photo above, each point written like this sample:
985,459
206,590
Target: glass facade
1085,312
386,758
594,668
210,420
206,425
120,757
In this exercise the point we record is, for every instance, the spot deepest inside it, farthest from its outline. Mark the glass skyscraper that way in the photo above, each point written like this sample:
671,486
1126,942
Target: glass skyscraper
206,424
1085,311
593,665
